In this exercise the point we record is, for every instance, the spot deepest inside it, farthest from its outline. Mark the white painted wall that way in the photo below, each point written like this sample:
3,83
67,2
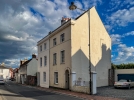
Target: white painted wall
32,67
123,71
43,68
6,73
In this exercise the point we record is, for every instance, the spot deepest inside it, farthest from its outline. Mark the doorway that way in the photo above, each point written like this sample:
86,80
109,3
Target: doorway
67,79
38,78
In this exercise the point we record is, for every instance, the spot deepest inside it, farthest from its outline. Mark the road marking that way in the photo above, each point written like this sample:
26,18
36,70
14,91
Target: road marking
7,84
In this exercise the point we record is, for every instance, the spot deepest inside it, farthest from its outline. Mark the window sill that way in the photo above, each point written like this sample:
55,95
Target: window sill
56,83
54,64
62,63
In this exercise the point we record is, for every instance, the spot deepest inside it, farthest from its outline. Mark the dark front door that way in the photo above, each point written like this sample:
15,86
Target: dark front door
67,79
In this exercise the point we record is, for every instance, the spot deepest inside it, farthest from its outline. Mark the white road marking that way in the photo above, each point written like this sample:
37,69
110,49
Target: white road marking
7,84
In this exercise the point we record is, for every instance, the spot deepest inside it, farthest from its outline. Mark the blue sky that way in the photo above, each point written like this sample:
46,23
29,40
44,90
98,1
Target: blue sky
24,22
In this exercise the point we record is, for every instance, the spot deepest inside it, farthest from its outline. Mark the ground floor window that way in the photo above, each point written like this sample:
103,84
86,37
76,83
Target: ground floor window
55,77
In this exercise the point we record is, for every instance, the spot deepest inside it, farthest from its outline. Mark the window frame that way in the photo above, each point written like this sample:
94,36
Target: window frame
45,60
54,42
40,61
40,48
45,46
62,37
62,56
44,76
55,59
55,78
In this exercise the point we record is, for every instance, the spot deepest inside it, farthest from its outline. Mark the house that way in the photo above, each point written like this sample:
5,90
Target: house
27,70
43,62
69,52
11,72
15,74
4,71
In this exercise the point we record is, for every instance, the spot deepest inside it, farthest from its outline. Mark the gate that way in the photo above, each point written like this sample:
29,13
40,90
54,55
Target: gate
111,75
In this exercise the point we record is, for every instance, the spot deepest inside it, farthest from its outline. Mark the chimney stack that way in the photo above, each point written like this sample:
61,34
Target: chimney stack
64,20
33,56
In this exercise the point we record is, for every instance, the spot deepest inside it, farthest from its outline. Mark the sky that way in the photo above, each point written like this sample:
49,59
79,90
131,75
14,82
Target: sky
24,22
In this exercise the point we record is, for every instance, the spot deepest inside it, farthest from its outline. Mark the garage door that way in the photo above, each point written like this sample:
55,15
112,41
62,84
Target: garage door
126,76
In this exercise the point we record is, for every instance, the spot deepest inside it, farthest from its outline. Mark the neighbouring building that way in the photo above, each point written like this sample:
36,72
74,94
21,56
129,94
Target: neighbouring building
15,74
69,52
4,71
43,62
28,70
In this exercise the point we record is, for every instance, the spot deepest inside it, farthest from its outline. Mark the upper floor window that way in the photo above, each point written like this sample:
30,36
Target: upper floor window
40,61
45,60
54,59
44,76
63,56
62,37
54,42
45,46
41,48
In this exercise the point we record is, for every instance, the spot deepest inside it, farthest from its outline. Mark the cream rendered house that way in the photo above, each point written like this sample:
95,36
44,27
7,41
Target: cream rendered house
4,72
69,52
43,62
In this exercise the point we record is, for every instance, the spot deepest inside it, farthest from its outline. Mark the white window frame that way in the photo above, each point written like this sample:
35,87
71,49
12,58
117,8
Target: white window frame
54,42
40,61
62,37
44,76
45,46
45,60
62,53
54,58
40,48
55,77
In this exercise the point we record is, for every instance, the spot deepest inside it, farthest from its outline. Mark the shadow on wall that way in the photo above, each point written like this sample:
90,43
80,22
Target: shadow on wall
80,65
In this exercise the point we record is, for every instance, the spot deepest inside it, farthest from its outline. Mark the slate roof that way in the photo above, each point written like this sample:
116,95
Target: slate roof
25,63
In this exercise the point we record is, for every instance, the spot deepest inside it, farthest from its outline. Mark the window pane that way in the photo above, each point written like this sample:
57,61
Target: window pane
40,61
44,76
41,48
56,77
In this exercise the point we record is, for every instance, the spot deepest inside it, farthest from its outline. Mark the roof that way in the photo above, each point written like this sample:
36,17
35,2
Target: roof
63,24
3,67
25,63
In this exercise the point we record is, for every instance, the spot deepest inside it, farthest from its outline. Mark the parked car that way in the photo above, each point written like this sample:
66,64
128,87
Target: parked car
2,81
124,84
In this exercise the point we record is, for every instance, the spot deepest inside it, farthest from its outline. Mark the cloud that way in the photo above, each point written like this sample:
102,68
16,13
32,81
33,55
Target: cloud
129,33
121,17
24,22
116,4
90,3
116,38
125,54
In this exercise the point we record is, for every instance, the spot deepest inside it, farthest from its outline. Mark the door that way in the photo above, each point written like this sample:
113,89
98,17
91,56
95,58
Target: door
126,76
67,79
38,78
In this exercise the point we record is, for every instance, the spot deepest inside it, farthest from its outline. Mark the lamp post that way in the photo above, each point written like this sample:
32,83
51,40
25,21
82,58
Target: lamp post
73,7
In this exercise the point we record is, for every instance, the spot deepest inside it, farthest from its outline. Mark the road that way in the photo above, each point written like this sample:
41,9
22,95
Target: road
13,91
